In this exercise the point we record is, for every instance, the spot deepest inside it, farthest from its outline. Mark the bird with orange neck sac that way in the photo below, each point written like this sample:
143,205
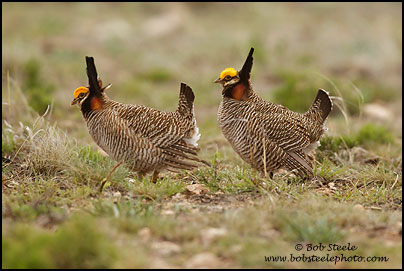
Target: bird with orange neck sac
142,138
269,136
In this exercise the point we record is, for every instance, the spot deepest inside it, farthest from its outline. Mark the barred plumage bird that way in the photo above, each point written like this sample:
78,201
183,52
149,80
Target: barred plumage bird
143,138
269,136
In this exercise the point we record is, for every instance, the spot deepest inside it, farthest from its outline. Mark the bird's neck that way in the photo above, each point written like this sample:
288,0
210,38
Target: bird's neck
237,92
93,103
96,103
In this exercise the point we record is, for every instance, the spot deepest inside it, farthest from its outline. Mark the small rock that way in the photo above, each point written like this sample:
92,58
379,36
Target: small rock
197,189
203,260
144,234
43,220
165,248
117,194
211,234
236,248
359,207
389,243
130,180
399,227
158,263
377,112
177,196
167,212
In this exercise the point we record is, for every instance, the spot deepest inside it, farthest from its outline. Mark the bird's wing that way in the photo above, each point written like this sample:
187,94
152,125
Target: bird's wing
292,160
287,133
162,128
286,129
165,130
145,153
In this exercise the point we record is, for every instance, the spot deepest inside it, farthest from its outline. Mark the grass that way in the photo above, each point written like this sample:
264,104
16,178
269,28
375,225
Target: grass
368,136
53,214
77,243
48,194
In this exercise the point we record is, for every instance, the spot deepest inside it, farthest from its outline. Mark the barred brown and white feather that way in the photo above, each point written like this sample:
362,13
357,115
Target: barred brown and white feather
145,139
266,135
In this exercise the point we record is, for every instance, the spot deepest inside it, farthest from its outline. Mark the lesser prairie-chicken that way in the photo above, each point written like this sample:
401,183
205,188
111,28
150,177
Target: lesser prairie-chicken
144,139
269,136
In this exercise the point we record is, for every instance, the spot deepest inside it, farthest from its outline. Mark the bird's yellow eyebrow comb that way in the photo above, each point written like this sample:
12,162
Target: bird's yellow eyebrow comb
228,71
80,90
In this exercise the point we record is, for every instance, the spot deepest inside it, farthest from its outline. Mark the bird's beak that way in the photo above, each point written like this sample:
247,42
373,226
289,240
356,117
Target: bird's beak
75,101
217,80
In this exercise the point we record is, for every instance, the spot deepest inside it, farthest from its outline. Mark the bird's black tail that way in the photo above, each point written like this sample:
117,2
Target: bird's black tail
186,100
322,103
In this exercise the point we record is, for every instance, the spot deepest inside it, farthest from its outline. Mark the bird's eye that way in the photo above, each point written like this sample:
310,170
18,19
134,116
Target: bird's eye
81,95
227,77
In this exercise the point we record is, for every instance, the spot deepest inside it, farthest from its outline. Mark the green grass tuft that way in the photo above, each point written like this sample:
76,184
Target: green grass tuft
38,90
90,155
334,144
368,136
7,144
371,134
77,244
163,188
297,90
158,75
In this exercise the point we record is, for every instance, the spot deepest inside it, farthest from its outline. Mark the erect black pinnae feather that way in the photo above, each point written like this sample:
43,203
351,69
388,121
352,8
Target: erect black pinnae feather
92,75
246,69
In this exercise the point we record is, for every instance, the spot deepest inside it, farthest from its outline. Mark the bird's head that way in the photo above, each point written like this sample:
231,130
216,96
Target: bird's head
94,93
235,83
228,76
80,95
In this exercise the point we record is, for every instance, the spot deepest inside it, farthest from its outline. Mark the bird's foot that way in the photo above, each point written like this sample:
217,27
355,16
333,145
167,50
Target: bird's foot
155,177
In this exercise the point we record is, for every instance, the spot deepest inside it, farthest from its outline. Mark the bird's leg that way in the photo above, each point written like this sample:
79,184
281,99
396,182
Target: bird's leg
317,179
264,175
140,175
155,176
104,181
311,157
